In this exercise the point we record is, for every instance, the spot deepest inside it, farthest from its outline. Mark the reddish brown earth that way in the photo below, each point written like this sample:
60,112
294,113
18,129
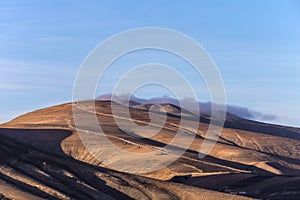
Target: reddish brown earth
42,157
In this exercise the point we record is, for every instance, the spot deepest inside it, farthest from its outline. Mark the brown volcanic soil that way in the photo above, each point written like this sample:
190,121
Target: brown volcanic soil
43,157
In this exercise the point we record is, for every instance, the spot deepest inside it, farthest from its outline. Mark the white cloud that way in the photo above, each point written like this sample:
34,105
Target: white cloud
11,87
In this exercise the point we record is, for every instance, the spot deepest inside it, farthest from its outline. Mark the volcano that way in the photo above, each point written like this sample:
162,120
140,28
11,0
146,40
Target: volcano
43,155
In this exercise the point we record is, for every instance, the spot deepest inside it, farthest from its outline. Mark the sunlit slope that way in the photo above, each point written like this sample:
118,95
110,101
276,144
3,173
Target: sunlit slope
242,153
263,151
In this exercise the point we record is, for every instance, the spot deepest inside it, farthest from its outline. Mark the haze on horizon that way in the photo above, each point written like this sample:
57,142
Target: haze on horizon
254,44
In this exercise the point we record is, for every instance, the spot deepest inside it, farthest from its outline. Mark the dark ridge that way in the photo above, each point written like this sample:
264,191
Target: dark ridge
260,127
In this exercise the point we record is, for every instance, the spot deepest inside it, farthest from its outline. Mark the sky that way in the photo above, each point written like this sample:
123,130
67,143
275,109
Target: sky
255,45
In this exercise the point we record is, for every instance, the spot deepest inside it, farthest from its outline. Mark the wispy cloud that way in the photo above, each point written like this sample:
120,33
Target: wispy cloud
24,86
21,75
189,104
52,38
11,87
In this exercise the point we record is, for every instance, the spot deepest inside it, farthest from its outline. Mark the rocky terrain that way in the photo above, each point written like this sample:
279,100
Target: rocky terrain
43,156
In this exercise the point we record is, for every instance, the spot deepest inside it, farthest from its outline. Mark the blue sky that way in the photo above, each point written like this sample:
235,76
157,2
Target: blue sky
255,44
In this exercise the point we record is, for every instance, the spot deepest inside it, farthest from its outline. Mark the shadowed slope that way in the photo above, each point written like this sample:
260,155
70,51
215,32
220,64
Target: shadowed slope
240,152
27,171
